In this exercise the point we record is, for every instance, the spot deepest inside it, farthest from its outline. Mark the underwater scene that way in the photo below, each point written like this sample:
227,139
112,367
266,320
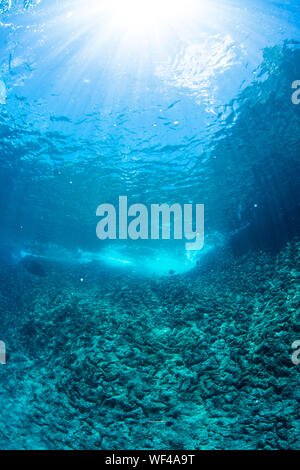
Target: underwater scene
149,224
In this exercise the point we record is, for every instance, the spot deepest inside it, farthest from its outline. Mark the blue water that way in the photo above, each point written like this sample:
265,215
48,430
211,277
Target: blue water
166,104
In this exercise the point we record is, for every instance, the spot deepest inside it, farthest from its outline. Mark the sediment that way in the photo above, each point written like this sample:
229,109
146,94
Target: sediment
103,360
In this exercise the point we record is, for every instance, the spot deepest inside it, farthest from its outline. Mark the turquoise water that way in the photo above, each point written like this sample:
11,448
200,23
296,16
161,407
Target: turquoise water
122,344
